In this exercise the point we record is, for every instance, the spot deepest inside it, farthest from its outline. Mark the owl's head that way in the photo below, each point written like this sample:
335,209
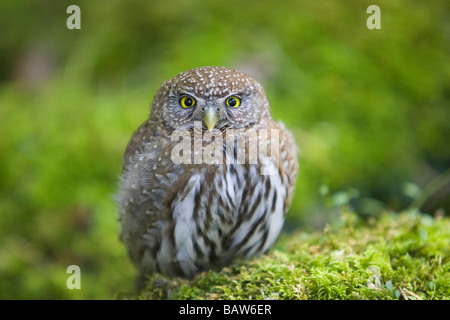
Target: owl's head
219,97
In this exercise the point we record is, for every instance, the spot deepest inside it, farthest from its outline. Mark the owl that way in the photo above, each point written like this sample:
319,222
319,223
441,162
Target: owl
207,178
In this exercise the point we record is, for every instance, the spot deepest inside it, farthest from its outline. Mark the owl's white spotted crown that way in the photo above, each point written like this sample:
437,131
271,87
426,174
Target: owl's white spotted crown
211,81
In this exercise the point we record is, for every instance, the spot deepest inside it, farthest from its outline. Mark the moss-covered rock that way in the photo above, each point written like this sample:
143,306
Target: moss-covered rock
398,256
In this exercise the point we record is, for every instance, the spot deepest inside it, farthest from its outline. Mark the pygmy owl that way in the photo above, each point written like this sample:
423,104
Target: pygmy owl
207,178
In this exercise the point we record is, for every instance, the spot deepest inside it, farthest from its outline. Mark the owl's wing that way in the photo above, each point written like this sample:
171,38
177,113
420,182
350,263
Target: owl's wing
288,164
136,145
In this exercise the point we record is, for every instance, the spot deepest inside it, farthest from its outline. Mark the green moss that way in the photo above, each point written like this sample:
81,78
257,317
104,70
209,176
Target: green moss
355,259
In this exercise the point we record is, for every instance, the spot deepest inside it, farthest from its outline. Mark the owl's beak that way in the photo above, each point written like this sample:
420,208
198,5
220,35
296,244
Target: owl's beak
210,118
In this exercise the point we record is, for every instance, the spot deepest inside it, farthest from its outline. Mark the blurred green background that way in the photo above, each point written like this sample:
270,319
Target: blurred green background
369,109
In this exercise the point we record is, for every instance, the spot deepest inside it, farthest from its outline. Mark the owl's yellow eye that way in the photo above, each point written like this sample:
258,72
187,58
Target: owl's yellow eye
233,101
187,102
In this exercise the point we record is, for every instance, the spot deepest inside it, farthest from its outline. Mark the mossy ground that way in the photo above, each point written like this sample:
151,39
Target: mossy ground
396,256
